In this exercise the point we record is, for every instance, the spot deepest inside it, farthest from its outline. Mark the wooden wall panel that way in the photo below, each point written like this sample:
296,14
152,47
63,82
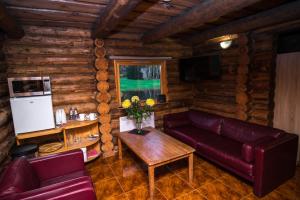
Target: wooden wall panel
6,128
64,54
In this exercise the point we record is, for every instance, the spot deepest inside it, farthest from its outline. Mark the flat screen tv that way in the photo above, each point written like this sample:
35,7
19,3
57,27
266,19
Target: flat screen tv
200,68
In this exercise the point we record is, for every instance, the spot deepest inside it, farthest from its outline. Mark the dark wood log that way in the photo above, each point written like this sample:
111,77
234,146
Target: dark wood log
9,24
113,13
58,31
51,69
71,6
99,42
66,55
82,107
72,98
231,115
48,50
100,52
55,15
198,15
5,131
48,60
258,121
54,23
51,41
276,15
4,116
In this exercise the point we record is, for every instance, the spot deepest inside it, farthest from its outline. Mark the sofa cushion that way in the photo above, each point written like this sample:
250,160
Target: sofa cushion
64,178
206,121
246,132
187,134
19,176
223,150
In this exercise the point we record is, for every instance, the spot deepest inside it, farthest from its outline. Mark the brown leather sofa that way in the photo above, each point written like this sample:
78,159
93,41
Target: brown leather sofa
262,155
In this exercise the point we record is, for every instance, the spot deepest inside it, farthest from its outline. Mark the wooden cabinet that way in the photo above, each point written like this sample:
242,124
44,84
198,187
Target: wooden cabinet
76,135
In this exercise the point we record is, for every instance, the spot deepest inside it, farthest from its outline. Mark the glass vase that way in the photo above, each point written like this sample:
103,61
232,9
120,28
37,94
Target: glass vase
138,124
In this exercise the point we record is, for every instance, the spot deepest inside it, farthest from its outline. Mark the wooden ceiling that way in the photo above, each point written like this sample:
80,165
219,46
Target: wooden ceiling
140,20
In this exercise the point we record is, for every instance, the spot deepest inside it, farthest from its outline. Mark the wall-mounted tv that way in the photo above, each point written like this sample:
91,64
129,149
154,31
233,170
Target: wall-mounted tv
200,68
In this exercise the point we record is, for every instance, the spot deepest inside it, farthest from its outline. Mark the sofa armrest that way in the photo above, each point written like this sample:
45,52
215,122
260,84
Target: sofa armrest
275,162
248,148
58,164
76,190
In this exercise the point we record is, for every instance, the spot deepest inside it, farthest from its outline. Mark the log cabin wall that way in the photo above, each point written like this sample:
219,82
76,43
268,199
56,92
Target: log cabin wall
221,96
64,54
179,93
218,96
262,79
6,127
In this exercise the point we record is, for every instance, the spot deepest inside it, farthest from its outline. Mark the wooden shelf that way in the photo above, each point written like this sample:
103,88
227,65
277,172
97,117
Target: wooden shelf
78,124
86,143
24,136
70,131
93,157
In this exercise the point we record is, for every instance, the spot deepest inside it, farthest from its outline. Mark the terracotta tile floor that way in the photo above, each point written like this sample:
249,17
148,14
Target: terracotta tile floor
114,180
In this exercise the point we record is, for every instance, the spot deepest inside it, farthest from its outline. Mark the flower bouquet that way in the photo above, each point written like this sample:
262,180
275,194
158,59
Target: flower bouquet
138,111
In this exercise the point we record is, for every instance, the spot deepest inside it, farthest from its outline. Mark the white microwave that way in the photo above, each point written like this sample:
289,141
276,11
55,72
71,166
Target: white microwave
29,86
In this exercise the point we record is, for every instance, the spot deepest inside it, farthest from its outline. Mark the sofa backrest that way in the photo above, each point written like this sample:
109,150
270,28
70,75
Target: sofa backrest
18,177
247,132
206,121
176,119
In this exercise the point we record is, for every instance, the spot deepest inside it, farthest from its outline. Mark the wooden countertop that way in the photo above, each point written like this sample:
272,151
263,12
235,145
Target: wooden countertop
69,125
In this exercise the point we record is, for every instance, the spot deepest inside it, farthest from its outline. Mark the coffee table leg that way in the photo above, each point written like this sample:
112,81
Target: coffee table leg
151,181
120,148
191,166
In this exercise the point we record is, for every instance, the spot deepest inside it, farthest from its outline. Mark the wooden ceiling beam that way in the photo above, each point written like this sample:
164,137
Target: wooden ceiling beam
205,11
9,25
115,11
270,17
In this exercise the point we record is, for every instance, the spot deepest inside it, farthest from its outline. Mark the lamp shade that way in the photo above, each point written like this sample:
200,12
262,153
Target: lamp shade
225,44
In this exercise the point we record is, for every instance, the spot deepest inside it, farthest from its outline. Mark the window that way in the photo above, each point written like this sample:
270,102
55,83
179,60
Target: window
145,79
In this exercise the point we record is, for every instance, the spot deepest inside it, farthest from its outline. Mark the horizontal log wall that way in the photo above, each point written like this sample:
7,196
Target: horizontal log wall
261,79
6,127
218,96
179,93
64,54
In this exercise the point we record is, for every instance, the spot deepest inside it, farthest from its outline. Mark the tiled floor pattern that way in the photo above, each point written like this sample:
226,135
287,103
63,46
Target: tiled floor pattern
130,182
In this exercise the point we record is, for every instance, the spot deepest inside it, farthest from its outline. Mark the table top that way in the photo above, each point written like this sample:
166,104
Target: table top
155,147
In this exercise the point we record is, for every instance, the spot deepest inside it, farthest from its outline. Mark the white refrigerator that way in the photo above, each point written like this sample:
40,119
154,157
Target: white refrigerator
32,113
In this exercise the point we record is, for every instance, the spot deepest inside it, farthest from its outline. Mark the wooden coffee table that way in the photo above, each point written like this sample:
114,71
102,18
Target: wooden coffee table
156,149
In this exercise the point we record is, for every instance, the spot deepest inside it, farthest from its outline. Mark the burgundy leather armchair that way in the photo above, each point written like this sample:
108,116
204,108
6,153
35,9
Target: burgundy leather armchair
60,176
263,155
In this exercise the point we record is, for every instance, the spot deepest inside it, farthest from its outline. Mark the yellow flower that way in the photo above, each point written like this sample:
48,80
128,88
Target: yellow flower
135,99
150,102
126,103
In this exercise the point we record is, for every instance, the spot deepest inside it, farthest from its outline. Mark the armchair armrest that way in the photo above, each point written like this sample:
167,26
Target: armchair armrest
78,189
58,164
275,162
